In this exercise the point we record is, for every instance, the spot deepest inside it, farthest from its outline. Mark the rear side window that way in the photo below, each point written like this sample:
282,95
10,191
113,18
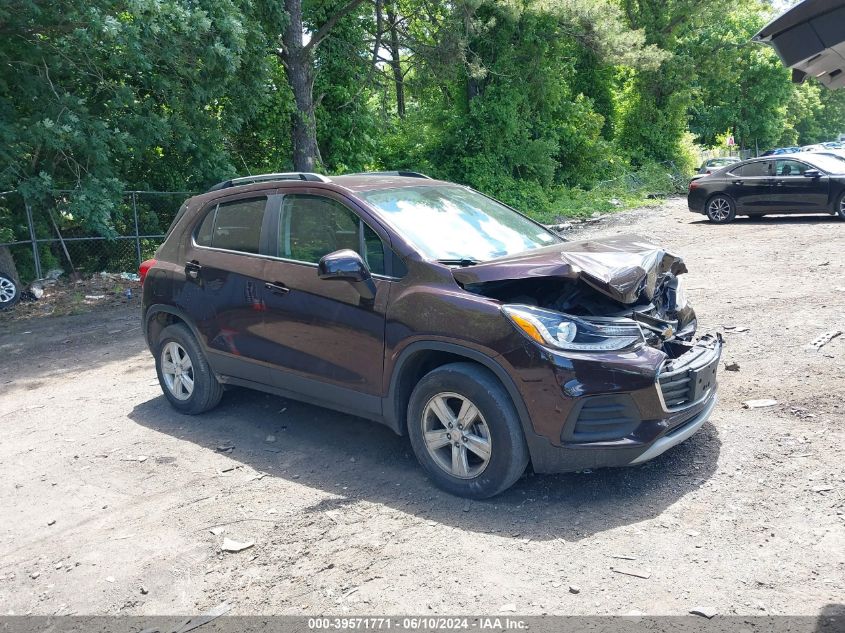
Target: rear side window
314,226
750,170
233,226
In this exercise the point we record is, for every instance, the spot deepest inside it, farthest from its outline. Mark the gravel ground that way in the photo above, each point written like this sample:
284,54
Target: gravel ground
116,504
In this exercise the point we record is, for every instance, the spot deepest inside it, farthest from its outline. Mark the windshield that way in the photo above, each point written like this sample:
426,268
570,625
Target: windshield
827,164
455,224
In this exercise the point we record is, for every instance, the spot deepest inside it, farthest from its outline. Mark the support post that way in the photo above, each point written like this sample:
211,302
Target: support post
36,256
137,232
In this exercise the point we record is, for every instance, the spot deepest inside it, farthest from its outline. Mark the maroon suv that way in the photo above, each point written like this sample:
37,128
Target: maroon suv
433,309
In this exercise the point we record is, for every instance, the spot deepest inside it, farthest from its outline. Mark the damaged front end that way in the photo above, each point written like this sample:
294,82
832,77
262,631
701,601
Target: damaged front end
623,278
611,321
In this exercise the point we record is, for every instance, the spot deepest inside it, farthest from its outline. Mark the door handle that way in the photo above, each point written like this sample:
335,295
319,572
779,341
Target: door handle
277,288
737,182
779,183
192,269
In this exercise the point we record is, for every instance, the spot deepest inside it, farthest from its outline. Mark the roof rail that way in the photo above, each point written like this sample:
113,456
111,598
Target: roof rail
406,174
248,180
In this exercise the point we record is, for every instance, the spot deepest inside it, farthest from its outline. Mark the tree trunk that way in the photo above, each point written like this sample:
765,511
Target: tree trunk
395,62
7,263
299,68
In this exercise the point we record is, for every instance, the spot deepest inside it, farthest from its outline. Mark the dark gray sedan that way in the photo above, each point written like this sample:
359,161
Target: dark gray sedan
796,183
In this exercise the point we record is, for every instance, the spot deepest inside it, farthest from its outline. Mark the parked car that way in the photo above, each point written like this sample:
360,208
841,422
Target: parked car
435,310
711,164
835,153
800,183
781,150
10,291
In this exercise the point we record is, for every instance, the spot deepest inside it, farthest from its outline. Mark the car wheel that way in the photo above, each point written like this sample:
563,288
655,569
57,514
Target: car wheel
183,372
10,291
465,431
840,206
720,209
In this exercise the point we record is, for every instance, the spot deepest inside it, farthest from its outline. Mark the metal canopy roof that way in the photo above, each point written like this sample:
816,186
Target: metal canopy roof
810,39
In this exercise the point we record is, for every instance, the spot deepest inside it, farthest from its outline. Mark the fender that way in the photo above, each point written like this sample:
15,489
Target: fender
158,308
394,418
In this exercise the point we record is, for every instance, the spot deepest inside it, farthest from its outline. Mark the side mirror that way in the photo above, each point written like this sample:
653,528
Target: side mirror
347,265
812,173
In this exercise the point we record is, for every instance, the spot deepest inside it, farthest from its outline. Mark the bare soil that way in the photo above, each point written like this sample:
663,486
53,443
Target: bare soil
113,503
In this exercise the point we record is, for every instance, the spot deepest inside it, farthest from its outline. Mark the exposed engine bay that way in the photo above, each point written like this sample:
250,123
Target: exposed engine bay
623,277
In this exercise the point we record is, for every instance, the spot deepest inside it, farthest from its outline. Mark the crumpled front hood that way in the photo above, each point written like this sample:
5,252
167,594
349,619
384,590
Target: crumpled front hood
624,267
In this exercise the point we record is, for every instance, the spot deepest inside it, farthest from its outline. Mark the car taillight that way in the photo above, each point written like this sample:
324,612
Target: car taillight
144,268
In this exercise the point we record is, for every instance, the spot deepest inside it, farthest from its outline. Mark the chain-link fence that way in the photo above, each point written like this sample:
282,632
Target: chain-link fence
659,179
47,236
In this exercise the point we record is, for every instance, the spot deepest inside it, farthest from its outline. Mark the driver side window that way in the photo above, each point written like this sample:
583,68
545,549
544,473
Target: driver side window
790,168
314,226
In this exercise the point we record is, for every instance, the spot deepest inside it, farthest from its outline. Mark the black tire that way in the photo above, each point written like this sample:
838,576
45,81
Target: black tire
508,455
10,291
840,207
720,209
206,391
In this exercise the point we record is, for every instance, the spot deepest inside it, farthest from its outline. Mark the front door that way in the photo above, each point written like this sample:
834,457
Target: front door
326,341
793,192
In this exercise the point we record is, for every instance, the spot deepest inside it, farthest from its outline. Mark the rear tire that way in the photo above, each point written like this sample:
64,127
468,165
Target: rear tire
10,291
183,372
484,451
720,209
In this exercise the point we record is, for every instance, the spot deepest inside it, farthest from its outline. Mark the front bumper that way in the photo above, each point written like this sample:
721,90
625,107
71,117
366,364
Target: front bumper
607,424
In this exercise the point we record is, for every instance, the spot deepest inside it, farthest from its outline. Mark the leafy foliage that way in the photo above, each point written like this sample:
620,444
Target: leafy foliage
555,106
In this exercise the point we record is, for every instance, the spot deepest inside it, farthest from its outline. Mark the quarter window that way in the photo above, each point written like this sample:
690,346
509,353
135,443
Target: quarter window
233,226
314,226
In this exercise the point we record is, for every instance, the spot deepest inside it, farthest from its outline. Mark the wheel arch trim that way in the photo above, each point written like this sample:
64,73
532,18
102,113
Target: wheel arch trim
396,419
160,308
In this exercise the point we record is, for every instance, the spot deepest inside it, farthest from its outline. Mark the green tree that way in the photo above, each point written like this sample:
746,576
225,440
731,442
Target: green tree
97,94
740,86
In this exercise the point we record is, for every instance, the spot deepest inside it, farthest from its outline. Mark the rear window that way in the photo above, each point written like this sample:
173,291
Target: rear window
233,226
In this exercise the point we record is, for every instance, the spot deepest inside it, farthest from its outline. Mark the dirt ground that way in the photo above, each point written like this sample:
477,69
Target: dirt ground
113,503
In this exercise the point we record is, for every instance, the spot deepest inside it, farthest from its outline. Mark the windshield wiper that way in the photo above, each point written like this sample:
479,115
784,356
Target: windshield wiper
463,262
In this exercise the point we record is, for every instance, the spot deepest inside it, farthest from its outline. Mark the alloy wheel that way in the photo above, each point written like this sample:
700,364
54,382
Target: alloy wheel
842,206
456,435
719,209
177,370
7,290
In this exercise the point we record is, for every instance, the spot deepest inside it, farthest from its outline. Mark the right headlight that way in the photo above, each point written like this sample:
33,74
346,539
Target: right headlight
567,332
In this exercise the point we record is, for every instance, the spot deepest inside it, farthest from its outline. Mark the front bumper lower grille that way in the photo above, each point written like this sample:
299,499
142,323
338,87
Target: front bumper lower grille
690,377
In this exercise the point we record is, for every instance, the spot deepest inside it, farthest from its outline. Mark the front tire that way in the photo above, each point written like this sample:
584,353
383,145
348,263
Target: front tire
183,372
720,209
10,291
840,207
465,431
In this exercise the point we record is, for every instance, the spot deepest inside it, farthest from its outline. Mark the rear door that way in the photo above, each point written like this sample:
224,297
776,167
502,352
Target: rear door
793,192
326,341
224,289
750,185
